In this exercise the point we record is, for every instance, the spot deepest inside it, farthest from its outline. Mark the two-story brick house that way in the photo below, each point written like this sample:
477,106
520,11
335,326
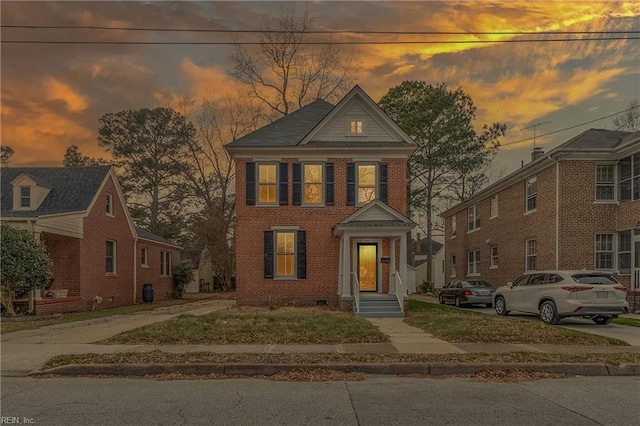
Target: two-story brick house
575,207
98,255
321,204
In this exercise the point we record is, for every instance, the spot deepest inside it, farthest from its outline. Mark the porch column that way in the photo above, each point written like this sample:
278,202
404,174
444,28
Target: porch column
346,267
392,265
403,259
340,277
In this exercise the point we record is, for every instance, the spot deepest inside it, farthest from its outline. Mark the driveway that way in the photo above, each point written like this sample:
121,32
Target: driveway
626,333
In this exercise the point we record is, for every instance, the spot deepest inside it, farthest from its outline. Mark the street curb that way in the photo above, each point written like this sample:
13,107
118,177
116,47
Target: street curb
433,369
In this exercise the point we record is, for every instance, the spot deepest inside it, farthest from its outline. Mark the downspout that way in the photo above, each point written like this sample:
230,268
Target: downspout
135,269
557,212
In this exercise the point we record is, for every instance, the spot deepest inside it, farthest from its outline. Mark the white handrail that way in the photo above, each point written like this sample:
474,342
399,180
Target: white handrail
401,291
355,287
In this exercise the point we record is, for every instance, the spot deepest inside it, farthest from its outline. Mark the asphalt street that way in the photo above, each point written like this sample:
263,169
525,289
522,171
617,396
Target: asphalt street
385,401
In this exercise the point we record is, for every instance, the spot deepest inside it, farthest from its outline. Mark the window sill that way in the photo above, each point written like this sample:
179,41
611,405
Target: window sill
285,278
473,230
474,275
268,205
452,237
493,267
110,215
144,266
530,211
111,274
493,217
614,202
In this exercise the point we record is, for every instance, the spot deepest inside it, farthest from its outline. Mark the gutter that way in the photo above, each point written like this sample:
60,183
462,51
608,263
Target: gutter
135,269
557,211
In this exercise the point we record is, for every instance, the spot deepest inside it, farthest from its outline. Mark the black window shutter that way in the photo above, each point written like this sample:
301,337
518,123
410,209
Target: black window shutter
301,253
351,184
383,184
328,184
284,184
268,254
251,183
297,184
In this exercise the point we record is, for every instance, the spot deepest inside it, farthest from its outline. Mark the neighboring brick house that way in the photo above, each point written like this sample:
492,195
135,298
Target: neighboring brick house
576,207
81,216
321,201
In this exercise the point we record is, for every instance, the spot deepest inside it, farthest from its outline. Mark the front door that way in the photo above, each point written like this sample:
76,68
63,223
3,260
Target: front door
368,266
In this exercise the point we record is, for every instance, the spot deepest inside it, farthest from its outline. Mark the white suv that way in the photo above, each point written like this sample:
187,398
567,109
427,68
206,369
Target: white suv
558,294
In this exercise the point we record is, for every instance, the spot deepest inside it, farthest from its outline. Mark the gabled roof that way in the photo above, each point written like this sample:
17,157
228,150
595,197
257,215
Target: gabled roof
143,233
375,214
435,246
288,130
72,188
595,138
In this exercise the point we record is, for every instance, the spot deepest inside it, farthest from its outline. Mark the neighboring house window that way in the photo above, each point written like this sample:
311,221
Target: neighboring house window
605,182
494,256
624,252
165,263
453,226
494,206
531,255
285,254
25,196
366,183
532,194
144,257
604,251
111,257
356,127
267,183
629,178
473,263
110,204
453,266
474,218
312,175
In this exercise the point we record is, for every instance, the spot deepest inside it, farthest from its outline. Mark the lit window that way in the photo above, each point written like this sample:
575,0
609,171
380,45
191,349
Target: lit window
473,263
356,127
110,204
494,206
494,256
604,251
144,257
25,196
532,255
474,218
605,182
313,183
532,193
111,257
453,266
366,183
267,183
285,254
165,263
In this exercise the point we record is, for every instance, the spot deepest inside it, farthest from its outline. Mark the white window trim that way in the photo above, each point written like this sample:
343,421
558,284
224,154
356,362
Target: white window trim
615,184
30,197
617,253
109,212
322,184
476,263
277,198
527,196
491,215
476,216
145,258
613,251
491,257
526,254
454,226
362,120
165,261
376,177
294,275
115,258
453,265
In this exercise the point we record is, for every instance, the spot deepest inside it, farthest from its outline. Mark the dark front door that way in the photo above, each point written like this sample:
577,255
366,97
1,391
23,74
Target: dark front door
368,267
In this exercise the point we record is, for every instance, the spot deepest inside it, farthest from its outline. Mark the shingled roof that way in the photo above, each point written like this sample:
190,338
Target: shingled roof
288,130
143,233
595,138
71,188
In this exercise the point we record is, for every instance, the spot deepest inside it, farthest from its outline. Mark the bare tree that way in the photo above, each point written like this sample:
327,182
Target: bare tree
284,73
629,121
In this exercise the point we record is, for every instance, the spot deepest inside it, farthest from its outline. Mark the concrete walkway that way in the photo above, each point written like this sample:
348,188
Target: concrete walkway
409,339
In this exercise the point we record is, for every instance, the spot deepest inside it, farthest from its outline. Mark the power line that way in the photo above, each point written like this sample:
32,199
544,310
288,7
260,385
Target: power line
569,128
251,43
360,32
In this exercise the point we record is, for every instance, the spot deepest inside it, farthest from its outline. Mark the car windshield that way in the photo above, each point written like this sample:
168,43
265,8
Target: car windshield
480,284
466,284
601,279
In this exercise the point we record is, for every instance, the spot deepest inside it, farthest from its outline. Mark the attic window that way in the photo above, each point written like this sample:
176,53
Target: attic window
25,196
356,127
109,204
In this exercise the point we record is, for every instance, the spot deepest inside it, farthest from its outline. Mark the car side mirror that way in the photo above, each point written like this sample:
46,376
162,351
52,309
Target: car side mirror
510,284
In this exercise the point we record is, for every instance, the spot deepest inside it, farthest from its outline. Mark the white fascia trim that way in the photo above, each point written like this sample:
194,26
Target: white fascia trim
158,242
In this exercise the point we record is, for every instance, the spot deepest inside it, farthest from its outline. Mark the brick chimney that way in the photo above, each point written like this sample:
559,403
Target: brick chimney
536,153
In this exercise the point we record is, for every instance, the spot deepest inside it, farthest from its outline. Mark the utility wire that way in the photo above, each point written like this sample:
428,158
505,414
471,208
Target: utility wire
251,43
569,128
224,31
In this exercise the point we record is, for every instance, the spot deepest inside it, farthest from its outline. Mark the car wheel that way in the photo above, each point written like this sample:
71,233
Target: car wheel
549,312
500,306
441,299
457,302
600,320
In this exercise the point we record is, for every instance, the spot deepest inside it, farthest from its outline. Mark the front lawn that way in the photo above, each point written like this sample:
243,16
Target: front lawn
459,326
633,322
257,326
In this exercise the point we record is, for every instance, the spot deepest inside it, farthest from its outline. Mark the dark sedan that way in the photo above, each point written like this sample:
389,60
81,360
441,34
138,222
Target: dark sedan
472,292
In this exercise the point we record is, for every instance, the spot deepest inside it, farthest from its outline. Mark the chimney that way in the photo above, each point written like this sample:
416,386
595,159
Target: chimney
418,243
536,153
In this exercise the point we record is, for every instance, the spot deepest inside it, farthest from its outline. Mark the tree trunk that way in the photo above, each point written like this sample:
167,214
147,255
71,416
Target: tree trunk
6,298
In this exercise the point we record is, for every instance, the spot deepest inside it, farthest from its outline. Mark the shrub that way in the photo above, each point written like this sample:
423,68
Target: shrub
182,276
426,286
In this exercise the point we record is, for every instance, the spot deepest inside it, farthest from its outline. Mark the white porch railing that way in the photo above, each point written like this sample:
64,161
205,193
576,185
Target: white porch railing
355,287
401,290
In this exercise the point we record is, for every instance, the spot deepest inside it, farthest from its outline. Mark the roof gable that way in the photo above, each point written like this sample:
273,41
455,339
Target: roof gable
376,211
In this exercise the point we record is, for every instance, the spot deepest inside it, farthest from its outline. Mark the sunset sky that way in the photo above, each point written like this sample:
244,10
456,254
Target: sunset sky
54,94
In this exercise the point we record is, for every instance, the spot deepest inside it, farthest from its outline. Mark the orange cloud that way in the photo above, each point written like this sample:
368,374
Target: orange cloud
55,90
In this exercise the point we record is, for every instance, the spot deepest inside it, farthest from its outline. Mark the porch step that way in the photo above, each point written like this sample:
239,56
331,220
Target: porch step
379,306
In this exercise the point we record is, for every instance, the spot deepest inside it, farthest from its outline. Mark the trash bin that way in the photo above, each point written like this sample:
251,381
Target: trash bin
147,293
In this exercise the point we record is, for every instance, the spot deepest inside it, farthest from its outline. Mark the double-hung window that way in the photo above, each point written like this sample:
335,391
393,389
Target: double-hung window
531,262
165,263
367,179
144,257
494,256
285,254
453,226
453,266
474,218
473,263
109,202
605,182
356,127
111,257
531,194
494,206
267,183
25,196
624,252
604,251
313,183
629,178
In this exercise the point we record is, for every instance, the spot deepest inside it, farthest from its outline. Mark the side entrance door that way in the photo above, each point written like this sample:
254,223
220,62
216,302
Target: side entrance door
368,266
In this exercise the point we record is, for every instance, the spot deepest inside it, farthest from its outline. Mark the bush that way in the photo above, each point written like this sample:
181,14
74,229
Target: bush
426,287
25,265
182,276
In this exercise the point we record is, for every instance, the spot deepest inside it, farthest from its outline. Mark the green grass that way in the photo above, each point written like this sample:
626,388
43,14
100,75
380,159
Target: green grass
633,322
257,326
10,327
459,326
